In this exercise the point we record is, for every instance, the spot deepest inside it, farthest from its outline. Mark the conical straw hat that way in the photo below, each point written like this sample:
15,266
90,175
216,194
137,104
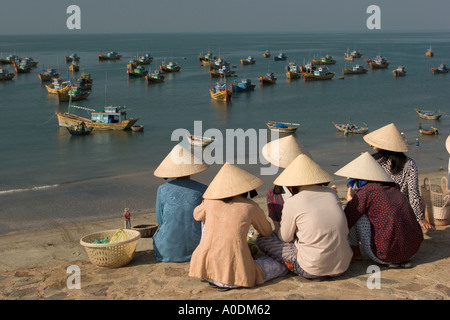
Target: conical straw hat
231,181
283,151
180,162
447,144
387,138
365,167
302,171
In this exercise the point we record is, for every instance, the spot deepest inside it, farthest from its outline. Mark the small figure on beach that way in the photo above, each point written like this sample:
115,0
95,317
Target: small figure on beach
281,153
223,257
178,234
379,216
417,142
312,240
390,147
127,218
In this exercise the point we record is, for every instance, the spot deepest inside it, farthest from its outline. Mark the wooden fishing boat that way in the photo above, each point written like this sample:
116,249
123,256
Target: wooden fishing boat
293,71
429,115
9,59
354,54
74,67
283,127
379,62
112,55
429,52
71,58
137,128
110,118
269,78
136,71
29,61
80,129
155,76
280,57
399,72
48,75
85,81
266,54
220,62
224,71
22,67
441,69
198,140
170,67
358,69
6,75
324,60
431,131
321,73
74,94
143,60
244,85
247,61
206,59
347,128
220,92
58,85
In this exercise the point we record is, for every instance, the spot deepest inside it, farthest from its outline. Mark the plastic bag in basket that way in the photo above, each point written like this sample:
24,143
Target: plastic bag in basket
119,235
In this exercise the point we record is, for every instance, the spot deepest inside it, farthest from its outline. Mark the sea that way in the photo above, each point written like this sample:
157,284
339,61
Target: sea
49,177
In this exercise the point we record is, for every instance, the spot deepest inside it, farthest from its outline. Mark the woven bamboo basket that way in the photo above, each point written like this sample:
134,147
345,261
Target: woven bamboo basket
436,202
146,230
111,255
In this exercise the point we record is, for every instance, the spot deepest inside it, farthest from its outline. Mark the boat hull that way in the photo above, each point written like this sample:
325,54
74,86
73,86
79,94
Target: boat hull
437,71
7,77
67,120
165,69
64,96
156,80
103,57
290,127
429,115
313,77
293,75
350,71
224,95
346,128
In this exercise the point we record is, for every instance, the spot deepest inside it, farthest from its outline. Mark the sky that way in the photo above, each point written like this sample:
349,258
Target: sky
175,16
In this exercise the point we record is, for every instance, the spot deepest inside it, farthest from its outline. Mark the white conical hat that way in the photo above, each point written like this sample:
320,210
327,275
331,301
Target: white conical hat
447,144
180,162
302,171
283,151
387,138
365,167
231,181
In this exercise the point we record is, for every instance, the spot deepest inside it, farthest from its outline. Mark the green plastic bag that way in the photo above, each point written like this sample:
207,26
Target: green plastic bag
97,241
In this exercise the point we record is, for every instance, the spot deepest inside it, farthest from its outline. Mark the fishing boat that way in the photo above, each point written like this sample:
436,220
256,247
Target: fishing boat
324,60
57,85
220,62
248,60
79,129
74,94
431,131
224,71
244,85
283,127
112,55
198,140
429,115
48,75
170,67
109,118
347,128
269,78
321,73
280,57
22,67
74,67
29,61
429,52
308,68
220,92
9,59
379,62
136,71
266,54
206,59
354,54
71,58
155,76
143,60
358,69
399,72
441,69
6,75
85,81
137,128
293,71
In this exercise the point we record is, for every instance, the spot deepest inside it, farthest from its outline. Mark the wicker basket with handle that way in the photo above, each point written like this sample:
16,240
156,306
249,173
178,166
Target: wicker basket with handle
113,254
436,202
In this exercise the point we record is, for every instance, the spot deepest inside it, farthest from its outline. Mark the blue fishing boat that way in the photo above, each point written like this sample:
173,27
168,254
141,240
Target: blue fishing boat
242,86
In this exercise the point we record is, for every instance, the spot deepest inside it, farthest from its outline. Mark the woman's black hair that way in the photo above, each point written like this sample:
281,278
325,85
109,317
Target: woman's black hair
278,190
398,159
251,193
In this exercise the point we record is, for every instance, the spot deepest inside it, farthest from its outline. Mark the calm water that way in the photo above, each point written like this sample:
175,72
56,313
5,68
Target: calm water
35,152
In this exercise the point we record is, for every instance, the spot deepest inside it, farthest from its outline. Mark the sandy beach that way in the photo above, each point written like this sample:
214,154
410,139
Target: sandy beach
34,267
